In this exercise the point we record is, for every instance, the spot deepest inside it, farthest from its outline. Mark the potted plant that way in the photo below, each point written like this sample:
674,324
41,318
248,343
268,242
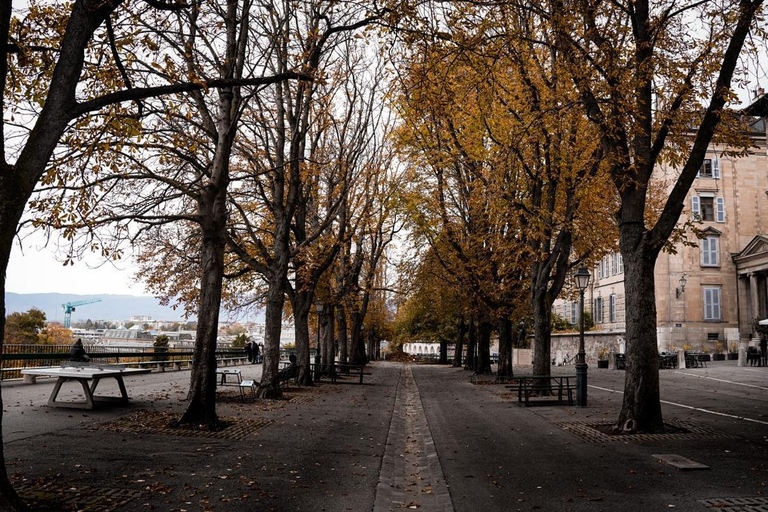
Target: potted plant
602,357
704,353
733,351
718,353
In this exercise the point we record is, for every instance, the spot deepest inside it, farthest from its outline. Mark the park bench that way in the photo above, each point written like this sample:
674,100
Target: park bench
543,385
350,369
225,373
289,373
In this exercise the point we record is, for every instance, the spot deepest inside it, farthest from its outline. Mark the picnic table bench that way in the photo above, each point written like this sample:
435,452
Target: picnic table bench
528,385
225,373
86,373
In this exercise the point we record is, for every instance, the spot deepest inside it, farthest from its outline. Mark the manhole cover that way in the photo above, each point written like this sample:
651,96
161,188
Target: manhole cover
757,504
591,432
148,422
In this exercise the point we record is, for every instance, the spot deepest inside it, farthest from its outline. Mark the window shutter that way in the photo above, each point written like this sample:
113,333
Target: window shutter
720,209
695,210
716,168
705,251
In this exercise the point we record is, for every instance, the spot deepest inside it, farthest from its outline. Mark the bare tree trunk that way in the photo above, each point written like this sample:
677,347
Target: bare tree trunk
341,329
301,304
542,325
471,346
9,218
358,344
460,342
443,352
327,338
273,323
201,407
484,348
641,410
505,347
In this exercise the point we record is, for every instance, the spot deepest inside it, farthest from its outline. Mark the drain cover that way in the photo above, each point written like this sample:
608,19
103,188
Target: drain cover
758,504
679,461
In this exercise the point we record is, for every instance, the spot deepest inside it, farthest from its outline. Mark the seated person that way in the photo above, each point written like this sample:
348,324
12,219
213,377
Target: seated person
77,352
291,370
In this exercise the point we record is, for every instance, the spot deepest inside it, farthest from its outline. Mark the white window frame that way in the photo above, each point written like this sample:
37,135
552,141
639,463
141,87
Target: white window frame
719,209
710,251
621,263
712,303
574,313
714,166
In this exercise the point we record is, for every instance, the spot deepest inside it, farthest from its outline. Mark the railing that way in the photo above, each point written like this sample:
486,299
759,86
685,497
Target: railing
19,357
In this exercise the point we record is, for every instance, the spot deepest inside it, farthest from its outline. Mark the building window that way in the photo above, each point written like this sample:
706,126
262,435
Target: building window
621,263
612,308
708,208
600,269
711,303
574,314
710,168
709,252
598,310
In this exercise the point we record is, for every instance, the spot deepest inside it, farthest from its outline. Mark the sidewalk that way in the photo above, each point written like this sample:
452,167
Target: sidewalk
451,445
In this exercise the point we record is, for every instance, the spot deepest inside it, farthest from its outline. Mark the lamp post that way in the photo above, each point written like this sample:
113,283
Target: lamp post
319,307
582,282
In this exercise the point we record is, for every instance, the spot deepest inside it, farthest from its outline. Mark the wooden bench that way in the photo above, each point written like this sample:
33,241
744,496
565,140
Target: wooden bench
528,385
289,374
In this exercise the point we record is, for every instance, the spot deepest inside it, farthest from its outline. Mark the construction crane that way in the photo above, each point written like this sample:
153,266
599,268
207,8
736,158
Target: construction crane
69,307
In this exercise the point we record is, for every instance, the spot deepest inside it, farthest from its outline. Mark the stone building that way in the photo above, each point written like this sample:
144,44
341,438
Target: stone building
711,291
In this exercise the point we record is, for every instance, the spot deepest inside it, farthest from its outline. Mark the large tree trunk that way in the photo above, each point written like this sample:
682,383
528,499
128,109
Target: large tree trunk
471,346
542,329
457,353
641,410
328,354
201,406
341,330
443,352
505,347
10,213
273,323
302,303
358,344
484,349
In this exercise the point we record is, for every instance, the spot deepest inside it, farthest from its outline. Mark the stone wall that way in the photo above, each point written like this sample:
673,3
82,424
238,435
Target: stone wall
566,345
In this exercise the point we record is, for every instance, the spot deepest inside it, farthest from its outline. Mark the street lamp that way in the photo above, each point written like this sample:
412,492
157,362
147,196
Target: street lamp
681,290
581,276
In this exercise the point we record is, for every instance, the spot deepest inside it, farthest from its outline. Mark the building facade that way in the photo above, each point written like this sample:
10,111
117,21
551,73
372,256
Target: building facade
711,289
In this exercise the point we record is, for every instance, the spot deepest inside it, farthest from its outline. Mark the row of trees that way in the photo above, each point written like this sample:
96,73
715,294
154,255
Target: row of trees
239,146
534,130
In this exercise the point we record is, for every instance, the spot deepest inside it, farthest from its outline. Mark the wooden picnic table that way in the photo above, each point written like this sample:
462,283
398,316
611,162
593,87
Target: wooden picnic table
84,375
528,384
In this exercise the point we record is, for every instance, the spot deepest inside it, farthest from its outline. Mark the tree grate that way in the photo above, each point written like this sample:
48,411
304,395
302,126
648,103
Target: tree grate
56,496
757,504
686,430
147,422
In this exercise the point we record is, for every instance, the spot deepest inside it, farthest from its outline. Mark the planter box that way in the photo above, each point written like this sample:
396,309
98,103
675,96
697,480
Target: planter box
602,363
733,356
718,357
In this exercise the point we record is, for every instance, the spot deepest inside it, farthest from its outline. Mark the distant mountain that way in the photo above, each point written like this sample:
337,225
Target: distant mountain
116,308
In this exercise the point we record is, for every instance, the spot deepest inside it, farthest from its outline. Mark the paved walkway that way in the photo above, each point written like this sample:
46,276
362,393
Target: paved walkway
414,437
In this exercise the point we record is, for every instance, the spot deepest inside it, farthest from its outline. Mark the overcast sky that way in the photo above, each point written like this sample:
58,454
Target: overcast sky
36,270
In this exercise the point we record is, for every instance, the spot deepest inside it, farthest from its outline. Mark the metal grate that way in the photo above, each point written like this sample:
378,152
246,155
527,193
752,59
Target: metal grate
44,495
758,504
590,433
148,422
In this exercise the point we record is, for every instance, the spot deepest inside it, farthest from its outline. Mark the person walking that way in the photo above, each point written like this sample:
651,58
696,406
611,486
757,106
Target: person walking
763,350
256,353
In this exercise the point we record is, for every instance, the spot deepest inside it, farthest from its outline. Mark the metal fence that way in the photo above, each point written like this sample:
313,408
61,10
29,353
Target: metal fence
18,357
